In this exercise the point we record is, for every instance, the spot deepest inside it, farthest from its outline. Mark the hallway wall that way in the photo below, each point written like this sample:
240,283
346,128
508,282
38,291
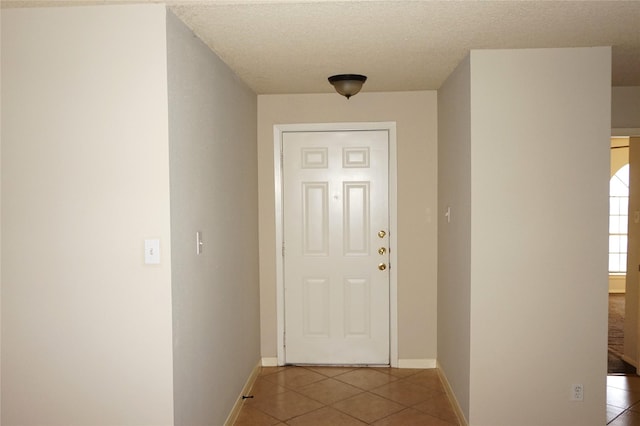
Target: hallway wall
454,233
213,158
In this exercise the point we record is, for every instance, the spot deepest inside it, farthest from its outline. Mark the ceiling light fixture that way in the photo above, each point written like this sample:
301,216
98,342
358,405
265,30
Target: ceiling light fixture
347,84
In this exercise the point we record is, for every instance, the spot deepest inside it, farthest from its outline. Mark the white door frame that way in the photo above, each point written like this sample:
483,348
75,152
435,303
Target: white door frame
390,127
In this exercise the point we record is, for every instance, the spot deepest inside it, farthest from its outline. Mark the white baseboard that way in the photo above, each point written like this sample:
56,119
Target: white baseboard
270,362
402,363
417,363
452,397
235,411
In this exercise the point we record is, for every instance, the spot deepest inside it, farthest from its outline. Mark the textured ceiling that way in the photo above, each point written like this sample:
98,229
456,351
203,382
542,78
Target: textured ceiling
280,46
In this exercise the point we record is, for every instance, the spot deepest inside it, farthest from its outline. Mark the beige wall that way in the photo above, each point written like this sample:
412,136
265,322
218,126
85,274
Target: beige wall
415,114
539,234
617,283
620,155
86,325
214,189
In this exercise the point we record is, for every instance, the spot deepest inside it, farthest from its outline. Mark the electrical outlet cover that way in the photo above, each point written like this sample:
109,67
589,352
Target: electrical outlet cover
577,392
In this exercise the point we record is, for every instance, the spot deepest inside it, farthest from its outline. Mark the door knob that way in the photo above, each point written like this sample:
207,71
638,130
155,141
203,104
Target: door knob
382,266
382,251
381,234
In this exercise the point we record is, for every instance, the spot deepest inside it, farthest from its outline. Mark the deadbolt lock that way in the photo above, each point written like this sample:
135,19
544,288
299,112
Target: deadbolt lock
382,251
381,234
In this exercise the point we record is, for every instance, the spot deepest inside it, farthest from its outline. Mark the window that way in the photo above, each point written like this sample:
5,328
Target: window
618,220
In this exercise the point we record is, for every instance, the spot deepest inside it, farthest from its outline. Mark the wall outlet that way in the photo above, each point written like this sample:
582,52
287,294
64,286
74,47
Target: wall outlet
577,392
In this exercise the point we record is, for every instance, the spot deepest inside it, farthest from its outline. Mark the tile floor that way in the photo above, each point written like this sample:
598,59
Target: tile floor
340,396
623,400
382,396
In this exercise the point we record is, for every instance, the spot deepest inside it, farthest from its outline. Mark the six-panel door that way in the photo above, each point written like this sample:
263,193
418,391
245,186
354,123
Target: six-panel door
336,247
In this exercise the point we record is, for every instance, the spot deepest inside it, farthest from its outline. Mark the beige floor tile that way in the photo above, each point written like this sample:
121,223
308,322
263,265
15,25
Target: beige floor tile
428,378
330,371
262,387
285,405
325,416
398,372
329,391
411,417
438,405
294,377
404,392
368,407
365,378
270,370
252,417
354,396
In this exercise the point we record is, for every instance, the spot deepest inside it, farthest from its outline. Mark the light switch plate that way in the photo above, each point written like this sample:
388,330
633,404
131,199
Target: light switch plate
199,242
152,252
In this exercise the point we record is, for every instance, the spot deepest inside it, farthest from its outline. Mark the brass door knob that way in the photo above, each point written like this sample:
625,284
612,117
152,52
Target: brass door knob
382,266
381,234
382,251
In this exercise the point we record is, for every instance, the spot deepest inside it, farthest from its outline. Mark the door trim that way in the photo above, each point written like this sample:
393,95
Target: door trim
278,131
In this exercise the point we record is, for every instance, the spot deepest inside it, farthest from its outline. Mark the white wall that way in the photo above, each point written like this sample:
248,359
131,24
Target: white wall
213,157
86,326
454,235
540,127
416,117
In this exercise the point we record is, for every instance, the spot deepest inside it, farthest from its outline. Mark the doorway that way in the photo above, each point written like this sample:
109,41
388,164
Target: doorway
335,219
618,248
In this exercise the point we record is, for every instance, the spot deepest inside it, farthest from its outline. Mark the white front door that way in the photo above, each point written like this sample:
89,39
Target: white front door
336,246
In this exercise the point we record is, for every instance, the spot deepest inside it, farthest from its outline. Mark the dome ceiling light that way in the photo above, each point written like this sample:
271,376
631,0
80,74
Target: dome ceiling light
347,84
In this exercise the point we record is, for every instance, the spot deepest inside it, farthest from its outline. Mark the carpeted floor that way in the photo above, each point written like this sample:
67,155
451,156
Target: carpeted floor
616,336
